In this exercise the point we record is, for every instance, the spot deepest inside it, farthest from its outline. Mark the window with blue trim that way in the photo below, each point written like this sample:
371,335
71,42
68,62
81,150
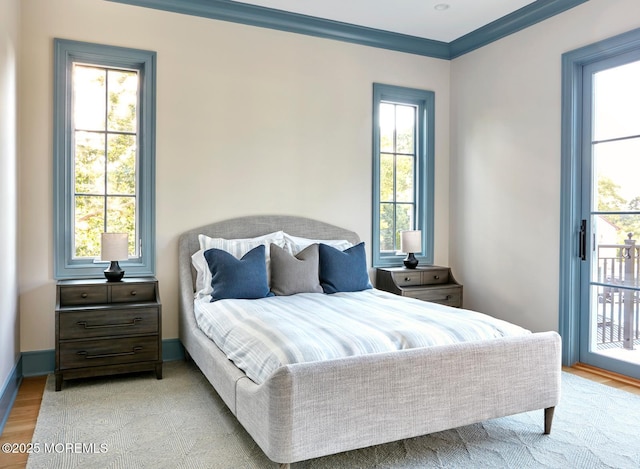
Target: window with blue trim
403,167
104,156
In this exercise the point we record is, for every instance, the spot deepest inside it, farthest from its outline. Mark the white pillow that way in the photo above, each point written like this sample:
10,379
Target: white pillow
235,247
295,244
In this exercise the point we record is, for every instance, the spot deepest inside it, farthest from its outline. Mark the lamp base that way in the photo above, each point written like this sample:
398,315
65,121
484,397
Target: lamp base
411,262
114,273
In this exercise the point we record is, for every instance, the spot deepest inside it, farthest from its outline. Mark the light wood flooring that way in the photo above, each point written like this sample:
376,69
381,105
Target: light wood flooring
22,419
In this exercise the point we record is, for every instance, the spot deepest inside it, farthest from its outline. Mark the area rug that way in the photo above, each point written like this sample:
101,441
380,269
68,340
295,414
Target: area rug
136,421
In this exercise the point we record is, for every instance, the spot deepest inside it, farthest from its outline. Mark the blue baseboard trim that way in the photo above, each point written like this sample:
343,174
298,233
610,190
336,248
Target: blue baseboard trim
172,350
9,393
38,363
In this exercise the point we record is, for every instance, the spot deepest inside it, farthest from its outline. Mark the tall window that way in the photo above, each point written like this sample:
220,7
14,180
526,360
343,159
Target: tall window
403,171
103,155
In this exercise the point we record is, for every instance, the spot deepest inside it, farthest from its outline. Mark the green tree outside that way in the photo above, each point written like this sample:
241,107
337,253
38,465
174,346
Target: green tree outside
105,156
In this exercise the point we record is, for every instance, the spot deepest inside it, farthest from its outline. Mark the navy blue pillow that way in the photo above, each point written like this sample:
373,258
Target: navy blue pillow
343,271
244,278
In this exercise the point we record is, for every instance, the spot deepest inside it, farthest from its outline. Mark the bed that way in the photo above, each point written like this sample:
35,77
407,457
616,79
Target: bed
312,409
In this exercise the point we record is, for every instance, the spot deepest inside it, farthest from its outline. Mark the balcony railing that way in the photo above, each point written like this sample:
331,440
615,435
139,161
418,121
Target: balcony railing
618,287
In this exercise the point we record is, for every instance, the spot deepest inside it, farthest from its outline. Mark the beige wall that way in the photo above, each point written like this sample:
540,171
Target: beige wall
9,318
505,162
250,121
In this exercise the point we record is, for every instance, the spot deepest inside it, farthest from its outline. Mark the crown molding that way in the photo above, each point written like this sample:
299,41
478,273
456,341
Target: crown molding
243,13
526,16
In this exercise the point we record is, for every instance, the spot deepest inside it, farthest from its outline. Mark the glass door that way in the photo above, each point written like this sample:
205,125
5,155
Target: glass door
610,230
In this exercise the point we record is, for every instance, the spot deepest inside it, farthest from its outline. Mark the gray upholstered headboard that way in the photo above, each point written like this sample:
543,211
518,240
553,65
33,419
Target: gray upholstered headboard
251,226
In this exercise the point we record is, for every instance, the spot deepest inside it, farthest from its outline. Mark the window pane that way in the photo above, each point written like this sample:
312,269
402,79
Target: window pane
89,224
614,230
121,219
616,97
405,179
89,88
121,168
387,228
405,129
123,100
616,168
404,220
387,127
89,163
386,178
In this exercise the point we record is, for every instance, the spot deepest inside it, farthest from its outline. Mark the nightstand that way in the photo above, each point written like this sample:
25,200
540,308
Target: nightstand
429,283
105,328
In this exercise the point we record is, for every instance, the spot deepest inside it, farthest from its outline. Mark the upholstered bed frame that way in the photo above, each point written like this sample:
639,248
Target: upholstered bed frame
310,410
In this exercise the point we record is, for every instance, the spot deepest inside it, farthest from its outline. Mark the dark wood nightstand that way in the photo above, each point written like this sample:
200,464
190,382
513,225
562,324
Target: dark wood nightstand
105,328
429,283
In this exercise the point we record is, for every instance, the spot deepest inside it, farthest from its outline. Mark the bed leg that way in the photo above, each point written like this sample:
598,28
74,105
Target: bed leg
284,465
548,419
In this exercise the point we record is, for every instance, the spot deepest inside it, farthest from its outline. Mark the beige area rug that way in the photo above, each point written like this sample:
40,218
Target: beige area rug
136,421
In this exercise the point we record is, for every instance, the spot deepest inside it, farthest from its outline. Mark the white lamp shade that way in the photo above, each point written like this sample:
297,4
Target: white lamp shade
115,247
411,241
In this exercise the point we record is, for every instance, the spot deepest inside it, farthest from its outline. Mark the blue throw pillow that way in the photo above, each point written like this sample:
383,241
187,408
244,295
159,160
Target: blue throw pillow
343,271
244,278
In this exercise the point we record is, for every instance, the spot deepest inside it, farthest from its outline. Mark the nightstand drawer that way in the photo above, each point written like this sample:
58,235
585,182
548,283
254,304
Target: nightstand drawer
101,323
446,296
128,293
83,295
435,276
408,278
86,353
428,283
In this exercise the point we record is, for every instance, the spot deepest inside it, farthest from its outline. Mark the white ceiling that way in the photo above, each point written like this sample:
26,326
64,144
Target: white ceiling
420,18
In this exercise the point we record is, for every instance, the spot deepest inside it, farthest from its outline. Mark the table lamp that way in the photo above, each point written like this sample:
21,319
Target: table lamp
115,247
410,243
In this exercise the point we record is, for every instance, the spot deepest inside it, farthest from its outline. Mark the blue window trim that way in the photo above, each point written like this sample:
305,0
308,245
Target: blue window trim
574,64
254,15
67,52
425,101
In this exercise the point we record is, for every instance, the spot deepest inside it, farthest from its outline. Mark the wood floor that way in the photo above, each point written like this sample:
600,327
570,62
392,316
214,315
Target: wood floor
22,419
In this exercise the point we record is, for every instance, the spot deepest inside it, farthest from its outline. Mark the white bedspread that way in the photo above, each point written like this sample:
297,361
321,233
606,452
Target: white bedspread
260,336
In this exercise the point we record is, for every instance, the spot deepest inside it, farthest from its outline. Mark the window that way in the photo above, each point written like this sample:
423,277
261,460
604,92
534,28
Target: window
104,156
403,162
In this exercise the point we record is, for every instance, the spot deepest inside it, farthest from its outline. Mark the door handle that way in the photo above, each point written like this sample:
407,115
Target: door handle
583,240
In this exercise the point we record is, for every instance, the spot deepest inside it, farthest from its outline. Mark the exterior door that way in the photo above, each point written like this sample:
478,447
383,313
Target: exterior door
610,227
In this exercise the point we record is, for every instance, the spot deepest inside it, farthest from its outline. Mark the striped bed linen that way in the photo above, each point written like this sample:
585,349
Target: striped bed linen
260,336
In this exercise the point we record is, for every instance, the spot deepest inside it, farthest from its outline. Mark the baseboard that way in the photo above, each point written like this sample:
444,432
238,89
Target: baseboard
9,393
43,362
39,362
172,350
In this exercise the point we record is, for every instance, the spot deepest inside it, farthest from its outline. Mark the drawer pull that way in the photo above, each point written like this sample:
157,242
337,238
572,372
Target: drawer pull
84,295
133,322
407,279
86,355
436,277
134,293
